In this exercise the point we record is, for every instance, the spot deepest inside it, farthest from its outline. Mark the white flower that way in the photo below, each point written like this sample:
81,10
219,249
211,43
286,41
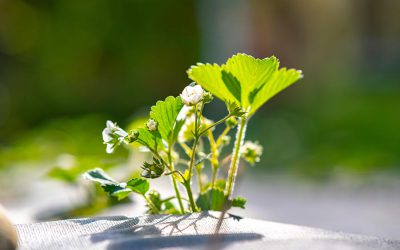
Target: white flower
251,151
151,125
191,95
113,136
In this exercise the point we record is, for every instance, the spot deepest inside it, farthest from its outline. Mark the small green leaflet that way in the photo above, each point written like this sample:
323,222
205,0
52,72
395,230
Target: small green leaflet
212,199
114,188
109,185
244,79
166,113
117,191
238,202
137,185
98,175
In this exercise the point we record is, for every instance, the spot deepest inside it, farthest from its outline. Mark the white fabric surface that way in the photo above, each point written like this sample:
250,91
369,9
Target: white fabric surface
191,231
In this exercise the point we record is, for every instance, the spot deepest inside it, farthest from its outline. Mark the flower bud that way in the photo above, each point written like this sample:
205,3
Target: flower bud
226,140
152,125
153,169
231,122
207,97
192,95
251,151
133,136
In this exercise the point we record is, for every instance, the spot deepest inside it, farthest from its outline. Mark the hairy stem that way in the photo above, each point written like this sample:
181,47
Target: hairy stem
221,137
177,193
241,131
188,188
198,172
214,157
190,196
193,154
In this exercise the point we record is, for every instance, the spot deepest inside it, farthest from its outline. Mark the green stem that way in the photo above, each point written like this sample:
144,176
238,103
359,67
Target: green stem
193,154
216,147
198,170
186,148
241,131
178,194
221,137
190,196
188,188
153,207
214,175
215,124
214,157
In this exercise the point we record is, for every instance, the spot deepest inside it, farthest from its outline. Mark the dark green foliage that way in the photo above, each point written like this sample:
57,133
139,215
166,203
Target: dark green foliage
138,185
238,202
212,199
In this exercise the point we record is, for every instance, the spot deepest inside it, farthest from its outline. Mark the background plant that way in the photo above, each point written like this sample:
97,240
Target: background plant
244,84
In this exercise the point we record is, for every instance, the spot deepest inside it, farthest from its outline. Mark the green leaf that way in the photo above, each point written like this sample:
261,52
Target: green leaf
278,82
137,185
219,184
98,175
109,185
117,191
155,198
244,79
166,113
212,199
234,109
169,208
232,84
252,73
238,202
152,140
210,77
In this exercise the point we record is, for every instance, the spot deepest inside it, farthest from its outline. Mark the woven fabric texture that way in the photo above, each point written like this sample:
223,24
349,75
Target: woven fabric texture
191,231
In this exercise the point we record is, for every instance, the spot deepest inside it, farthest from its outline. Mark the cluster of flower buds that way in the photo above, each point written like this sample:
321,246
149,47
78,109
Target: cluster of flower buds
251,151
153,169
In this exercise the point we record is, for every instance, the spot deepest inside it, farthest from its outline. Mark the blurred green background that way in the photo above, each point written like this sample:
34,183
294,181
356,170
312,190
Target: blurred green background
68,65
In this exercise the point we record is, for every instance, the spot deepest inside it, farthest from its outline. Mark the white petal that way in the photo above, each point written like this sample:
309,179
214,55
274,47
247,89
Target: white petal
183,113
106,135
110,148
110,124
198,89
121,132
